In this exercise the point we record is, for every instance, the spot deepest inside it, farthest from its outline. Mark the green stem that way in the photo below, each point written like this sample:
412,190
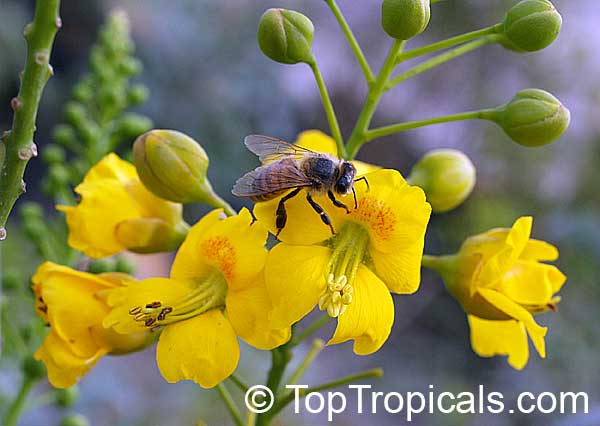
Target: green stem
12,415
231,407
373,97
19,141
440,59
352,41
431,262
239,383
315,349
445,44
308,331
329,111
219,203
400,127
280,357
289,397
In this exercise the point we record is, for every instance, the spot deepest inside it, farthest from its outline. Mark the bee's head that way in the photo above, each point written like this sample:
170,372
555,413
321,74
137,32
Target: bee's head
346,178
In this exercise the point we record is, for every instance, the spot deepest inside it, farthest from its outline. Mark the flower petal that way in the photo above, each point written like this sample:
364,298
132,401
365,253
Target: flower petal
248,310
317,141
203,349
72,308
503,303
151,206
401,270
490,338
369,318
304,225
124,299
113,168
531,283
235,246
92,223
295,278
540,251
395,213
64,367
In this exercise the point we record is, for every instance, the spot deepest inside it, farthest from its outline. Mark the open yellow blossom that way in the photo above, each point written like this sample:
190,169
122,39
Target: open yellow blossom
118,213
499,279
215,294
73,304
376,250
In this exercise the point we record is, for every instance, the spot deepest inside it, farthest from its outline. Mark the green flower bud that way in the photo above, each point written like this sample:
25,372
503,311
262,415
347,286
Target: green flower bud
125,266
67,397
531,25
11,279
286,36
64,135
173,166
33,369
75,420
138,94
447,176
53,154
132,124
532,118
100,266
75,113
404,19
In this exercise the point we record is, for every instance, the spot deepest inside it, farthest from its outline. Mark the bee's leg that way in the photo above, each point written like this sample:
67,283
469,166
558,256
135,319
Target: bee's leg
366,181
355,200
336,202
321,212
281,215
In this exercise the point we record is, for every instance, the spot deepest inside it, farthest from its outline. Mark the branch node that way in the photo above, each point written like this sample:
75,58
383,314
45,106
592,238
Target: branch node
58,22
26,153
23,187
41,58
28,30
2,233
15,103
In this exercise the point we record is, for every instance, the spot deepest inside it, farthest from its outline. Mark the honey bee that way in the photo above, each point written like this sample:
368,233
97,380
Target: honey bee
287,166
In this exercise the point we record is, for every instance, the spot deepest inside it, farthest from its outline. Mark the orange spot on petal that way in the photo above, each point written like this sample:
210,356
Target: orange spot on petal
220,252
379,217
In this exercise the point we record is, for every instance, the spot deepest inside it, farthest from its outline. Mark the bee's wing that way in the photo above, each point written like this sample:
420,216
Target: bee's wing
269,148
269,181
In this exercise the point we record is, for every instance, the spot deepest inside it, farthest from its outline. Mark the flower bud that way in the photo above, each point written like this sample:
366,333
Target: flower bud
532,118
531,25
173,166
404,19
447,176
75,420
67,397
33,368
286,36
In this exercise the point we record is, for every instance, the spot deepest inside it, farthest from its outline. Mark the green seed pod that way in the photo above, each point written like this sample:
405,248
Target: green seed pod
404,19
447,176
532,118
286,36
67,397
531,25
173,166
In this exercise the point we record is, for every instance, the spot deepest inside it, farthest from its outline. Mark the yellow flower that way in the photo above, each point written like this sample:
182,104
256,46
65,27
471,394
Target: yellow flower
73,304
118,213
376,250
499,279
216,292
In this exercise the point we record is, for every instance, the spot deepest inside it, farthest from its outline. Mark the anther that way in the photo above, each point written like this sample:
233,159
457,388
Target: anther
149,322
135,310
164,313
153,305
140,317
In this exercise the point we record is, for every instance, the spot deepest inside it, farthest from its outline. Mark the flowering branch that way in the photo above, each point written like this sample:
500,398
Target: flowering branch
18,142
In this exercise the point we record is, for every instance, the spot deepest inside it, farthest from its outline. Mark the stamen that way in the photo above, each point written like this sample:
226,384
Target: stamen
205,294
349,250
